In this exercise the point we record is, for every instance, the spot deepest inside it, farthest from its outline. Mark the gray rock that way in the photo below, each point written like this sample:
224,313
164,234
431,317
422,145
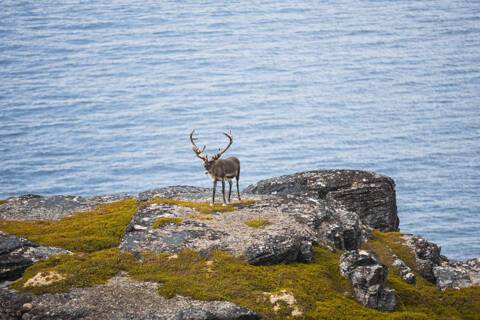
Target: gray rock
216,310
288,237
368,278
427,255
279,249
458,274
370,195
17,254
341,229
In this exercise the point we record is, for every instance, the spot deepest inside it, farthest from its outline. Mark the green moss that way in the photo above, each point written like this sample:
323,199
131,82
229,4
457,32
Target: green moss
79,270
257,223
87,231
204,207
319,290
3,202
160,222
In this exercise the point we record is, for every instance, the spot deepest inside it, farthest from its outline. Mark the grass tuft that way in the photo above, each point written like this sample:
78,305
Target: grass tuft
258,223
160,222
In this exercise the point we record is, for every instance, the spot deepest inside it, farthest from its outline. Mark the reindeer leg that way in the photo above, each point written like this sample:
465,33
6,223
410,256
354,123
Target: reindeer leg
229,189
214,189
238,192
223,191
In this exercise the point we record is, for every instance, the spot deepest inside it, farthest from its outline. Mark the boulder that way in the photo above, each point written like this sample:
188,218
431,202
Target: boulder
17,254
457,274
368,278
427,255
369,195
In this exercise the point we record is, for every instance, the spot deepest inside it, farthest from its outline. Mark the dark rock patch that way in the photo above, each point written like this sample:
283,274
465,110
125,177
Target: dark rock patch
17,254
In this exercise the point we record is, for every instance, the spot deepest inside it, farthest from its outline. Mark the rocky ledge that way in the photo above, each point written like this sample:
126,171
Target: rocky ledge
351,213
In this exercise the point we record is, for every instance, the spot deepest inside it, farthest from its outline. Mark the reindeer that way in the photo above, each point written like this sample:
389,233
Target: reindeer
219,169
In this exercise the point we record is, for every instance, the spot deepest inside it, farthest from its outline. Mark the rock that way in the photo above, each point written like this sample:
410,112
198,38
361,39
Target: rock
289,236
35,207
458,274
279,249
427,255
117,299
369,195
368,278
405,271
17,254
341,229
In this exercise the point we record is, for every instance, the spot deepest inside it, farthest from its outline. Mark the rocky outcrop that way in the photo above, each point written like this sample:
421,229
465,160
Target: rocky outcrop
35,207
427,255
368,278
351,202
288,237
119,298
337,208
457,274
17,254
439,269
369,195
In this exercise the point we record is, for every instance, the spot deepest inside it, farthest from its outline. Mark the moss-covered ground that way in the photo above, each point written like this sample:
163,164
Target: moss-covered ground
319,290
86,231
3,202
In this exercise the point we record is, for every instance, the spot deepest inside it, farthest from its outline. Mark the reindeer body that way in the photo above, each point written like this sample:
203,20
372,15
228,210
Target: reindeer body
219,169
222,170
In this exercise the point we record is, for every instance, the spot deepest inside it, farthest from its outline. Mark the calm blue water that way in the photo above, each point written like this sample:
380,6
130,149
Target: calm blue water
100,97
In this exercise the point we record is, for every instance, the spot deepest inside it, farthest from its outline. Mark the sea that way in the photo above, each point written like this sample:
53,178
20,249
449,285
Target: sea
99,97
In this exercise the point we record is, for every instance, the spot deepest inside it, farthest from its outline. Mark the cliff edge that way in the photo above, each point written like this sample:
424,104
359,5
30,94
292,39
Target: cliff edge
312,245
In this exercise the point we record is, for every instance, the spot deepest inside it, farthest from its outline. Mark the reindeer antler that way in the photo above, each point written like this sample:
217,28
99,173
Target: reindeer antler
230,138
197,150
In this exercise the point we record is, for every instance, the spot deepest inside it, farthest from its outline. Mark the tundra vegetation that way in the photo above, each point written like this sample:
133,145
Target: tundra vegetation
319,290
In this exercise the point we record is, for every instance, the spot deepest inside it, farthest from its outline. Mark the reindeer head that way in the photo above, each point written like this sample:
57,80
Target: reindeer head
209,164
